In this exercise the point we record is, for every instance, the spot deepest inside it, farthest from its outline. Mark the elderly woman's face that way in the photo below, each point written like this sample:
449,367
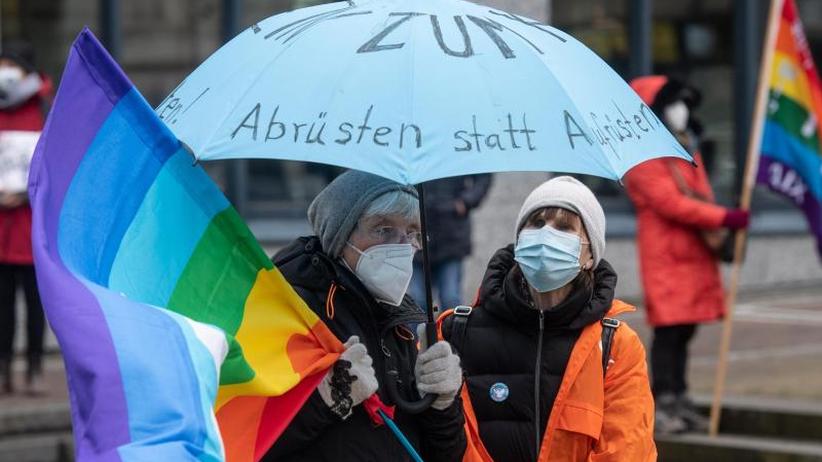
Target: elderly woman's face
382,229
563,220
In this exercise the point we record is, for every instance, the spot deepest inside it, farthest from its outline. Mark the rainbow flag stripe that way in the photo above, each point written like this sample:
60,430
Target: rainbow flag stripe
791,154
181,340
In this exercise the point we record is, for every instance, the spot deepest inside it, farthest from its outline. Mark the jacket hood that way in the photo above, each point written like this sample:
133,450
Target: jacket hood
502,293
658,91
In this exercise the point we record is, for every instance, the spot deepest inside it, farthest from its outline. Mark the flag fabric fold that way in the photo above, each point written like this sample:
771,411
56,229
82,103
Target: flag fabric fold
181,340
791,154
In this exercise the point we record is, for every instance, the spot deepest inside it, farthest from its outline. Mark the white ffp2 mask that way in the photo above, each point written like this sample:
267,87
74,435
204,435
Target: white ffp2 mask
676,116
385,270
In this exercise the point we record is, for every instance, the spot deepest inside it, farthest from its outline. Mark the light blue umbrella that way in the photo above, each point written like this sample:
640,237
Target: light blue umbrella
414,90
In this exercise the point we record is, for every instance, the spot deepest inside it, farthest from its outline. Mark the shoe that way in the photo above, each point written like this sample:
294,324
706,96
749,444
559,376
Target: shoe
6,383
666,420
35,383
687,411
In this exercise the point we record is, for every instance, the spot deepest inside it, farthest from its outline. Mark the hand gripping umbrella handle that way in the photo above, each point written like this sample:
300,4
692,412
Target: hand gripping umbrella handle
411,407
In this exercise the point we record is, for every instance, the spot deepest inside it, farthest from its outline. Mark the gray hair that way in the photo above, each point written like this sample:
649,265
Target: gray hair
396,202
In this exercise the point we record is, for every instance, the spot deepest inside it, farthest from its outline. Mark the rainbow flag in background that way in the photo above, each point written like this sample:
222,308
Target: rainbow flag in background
791,154
167,310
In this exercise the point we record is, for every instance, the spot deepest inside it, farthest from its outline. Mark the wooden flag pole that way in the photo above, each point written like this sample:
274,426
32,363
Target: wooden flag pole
749,180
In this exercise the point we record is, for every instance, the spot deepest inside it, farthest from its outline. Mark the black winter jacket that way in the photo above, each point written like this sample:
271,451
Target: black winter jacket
449,233
509,344
316,434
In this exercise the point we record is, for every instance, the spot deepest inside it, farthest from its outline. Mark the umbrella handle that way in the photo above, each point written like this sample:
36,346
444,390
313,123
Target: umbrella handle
411,407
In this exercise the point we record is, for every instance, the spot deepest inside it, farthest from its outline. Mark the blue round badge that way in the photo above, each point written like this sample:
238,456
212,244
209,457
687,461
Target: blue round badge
499,392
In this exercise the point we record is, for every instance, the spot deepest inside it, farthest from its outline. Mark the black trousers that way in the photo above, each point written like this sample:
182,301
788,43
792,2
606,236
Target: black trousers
669,358
11,277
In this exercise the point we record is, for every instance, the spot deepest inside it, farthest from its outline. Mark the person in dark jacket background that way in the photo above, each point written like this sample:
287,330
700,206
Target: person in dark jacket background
354,274
534,383
448,204
24,96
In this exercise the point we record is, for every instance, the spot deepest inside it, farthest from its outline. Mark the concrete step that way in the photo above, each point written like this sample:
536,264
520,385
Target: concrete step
723,448
767,417
44,447
751,430
34,418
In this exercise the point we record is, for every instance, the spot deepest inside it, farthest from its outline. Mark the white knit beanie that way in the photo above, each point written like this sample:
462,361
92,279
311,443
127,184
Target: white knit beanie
570,194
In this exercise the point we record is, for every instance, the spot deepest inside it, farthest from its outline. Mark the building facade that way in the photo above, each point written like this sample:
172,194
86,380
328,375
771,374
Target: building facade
715,44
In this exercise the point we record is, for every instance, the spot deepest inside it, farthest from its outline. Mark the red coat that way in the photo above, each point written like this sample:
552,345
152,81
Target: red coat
15,223
680,275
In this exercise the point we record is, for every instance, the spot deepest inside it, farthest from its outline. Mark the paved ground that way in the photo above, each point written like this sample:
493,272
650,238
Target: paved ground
55,381
776,351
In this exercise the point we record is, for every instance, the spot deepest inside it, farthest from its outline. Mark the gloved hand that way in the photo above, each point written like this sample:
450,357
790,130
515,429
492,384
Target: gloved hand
351,381
736,219
438,371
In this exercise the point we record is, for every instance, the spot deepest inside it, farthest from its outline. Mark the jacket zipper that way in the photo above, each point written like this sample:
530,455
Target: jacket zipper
536,382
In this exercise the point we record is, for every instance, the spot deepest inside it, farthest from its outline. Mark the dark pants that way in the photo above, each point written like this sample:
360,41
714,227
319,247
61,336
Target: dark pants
669,358
446,279
11,277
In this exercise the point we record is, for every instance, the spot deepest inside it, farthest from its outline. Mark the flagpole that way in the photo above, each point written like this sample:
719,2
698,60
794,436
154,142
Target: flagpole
749,180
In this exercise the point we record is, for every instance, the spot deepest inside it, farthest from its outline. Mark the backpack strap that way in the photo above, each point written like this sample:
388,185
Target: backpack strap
609,327
460,324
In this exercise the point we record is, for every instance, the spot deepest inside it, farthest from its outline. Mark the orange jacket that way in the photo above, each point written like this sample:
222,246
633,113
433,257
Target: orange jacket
592,419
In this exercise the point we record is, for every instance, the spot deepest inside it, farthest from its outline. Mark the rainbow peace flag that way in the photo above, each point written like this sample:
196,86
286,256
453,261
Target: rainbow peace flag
791,154
181,340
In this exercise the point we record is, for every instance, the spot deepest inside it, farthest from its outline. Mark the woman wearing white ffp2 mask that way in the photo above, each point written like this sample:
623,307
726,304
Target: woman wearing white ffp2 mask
354,274
381,249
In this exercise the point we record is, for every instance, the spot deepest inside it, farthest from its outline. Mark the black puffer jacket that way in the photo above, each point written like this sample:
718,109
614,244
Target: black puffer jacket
450,233
316,434
507,341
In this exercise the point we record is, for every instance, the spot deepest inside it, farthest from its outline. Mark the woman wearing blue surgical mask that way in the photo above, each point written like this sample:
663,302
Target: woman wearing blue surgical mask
545,379
353,273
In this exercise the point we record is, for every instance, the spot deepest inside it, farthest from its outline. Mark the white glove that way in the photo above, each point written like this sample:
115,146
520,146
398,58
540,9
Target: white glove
438,371
351,381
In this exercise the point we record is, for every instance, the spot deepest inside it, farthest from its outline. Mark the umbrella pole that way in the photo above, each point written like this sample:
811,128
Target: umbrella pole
430,328
391,386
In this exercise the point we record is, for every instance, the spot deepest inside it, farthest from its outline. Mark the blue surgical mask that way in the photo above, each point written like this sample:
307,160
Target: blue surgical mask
548,258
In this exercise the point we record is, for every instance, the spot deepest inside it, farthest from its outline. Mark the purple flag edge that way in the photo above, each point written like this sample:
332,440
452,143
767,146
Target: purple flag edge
91,86
810,206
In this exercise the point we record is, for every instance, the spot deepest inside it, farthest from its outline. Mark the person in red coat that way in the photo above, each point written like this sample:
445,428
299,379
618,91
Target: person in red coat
675,207
24,94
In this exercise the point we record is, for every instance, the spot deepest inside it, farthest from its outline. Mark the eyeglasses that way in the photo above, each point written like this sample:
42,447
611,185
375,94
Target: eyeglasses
392,235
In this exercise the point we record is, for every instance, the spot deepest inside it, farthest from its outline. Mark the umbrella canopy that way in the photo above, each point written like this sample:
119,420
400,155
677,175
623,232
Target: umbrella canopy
414,90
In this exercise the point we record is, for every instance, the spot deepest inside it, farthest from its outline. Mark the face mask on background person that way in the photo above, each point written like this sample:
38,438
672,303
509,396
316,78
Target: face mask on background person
10,77
386,270
548,258
16,87
676,116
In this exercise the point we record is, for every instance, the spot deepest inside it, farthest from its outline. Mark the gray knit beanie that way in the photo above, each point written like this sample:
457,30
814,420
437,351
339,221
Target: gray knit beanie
334,213
568,193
